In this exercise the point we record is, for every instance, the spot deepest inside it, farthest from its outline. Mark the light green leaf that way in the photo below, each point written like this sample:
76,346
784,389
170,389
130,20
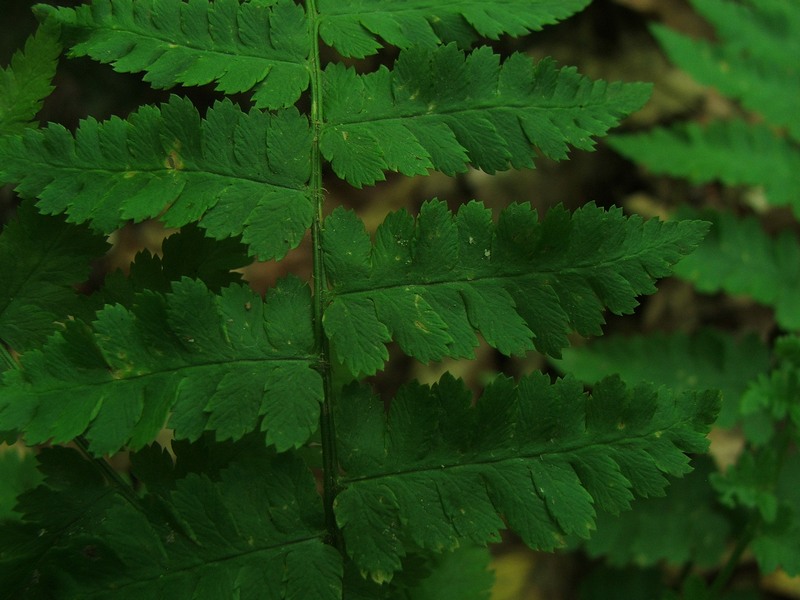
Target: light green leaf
523,284
751,61
443,109
212,362
238,46
734,152
353,28
237,173
437,471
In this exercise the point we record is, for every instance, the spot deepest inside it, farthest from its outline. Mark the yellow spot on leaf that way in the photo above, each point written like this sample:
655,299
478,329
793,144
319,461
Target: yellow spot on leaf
174,161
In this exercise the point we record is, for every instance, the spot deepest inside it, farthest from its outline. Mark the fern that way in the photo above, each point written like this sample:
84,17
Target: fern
258,393
42,257
750,63
751,505
702,153
26,82
428,286
708,359
738,257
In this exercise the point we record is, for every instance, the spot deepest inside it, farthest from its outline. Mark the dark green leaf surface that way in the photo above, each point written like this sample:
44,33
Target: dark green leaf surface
685,526
234,534
26,82
53,542
353,27
738,257
705,360
187,253
214,362
441,109
734,152
459,575
766,483
430,284
237,46
436,471
241,173
42,259
772,397
17,474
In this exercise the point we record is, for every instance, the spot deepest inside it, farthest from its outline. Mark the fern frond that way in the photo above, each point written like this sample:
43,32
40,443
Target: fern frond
187,253
439,109
17,474
765,483
437,471
27,81
685,526
33,565
353,27
754,61
771,398
521,283
459,575
738,257
238,46
43,259
216,363
237,173
236,532
768,30
705,360
734,152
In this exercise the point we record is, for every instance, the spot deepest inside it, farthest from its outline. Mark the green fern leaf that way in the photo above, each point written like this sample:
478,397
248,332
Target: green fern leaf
238,46
43,259
706,360
432,283
766,483
685,526
215,362
752,62
771,397
27,81
353,28
459,575
194,535
439,109
768,30
18,474
738,257
187,253
241,173
719,151
437,471
34,562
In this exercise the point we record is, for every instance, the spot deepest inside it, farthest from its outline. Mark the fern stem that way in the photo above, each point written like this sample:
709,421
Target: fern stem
122,487
327,429
724,576
5,355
